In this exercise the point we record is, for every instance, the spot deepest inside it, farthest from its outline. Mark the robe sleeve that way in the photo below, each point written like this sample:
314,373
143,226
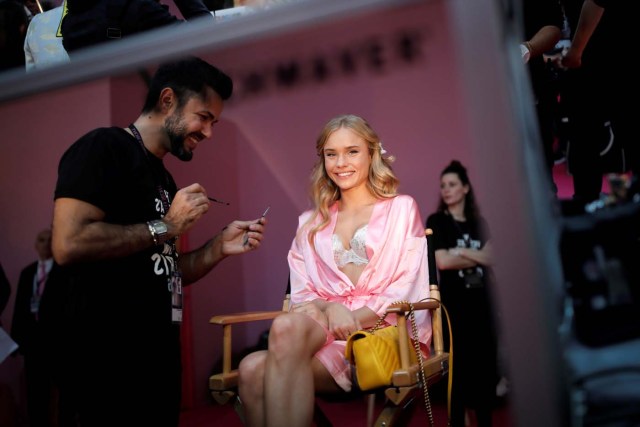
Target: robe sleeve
302,286
401,268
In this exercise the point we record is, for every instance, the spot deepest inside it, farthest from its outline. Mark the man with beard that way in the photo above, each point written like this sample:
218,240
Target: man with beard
117,215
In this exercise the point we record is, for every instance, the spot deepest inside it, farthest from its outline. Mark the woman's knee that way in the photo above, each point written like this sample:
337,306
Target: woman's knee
287,335
251,372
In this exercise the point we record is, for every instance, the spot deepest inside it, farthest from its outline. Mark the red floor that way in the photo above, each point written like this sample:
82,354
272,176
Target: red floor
564,181
351,414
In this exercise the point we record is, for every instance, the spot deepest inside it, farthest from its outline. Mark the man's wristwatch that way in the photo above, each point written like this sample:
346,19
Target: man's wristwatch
158,229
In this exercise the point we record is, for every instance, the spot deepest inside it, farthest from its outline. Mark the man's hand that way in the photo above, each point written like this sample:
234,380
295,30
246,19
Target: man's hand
242,236
236,238
188,205
572,59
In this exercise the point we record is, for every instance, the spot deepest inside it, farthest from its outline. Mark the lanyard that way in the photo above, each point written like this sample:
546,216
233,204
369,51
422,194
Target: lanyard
174,281
163,194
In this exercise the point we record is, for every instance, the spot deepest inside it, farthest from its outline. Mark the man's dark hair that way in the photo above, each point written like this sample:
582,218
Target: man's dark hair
187,77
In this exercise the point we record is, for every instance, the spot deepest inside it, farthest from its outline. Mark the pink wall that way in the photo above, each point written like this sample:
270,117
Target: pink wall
414,105
262,150
35,132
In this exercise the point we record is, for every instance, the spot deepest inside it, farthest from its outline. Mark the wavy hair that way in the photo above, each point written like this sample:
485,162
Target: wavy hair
382,182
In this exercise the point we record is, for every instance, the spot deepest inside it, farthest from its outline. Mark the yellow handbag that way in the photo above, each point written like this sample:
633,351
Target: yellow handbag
377,356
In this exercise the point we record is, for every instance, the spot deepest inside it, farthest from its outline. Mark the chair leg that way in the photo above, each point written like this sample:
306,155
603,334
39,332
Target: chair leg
371,404
393,415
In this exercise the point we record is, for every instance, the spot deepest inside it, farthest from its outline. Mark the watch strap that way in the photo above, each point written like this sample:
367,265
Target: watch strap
154,235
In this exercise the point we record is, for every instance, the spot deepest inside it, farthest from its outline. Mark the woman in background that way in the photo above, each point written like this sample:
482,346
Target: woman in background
463,254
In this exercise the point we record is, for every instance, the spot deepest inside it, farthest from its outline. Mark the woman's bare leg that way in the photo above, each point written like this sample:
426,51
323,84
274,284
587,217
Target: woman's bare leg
251,387
290,369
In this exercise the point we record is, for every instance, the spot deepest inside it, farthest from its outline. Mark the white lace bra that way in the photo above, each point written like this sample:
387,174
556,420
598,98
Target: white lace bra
357,254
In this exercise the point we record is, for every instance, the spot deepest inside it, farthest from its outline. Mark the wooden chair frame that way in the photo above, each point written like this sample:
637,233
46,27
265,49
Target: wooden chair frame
405,384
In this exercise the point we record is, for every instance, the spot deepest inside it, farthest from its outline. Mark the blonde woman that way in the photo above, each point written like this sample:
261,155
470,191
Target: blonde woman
361,248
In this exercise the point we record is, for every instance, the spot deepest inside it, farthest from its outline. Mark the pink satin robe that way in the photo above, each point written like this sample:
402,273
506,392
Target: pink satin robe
397,270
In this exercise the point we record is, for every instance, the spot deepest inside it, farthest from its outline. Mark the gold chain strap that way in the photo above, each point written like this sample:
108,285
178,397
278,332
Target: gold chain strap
423,377
379,322
416,346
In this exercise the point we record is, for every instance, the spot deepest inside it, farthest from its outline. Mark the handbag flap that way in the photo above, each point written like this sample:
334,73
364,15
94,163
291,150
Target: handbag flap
348,351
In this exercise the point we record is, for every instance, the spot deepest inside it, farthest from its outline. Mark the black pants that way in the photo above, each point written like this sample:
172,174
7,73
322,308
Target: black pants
475,354
592,98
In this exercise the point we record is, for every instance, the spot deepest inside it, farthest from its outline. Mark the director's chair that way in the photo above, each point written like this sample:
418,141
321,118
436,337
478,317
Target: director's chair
407,383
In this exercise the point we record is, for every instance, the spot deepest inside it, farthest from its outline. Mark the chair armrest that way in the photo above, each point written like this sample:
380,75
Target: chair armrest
403,307
434,305
249,316
223,385
226,321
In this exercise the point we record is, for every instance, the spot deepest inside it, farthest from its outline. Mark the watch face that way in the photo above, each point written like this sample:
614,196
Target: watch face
159,227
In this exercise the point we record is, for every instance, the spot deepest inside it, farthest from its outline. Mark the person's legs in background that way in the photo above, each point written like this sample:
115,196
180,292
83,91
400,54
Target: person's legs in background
584,107
546,108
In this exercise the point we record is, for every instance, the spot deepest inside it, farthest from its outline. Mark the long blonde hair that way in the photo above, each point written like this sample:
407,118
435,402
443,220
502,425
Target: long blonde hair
324,192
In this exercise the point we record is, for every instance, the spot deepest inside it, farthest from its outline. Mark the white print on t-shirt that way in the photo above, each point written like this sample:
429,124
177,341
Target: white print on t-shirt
164,263
159,207
473,244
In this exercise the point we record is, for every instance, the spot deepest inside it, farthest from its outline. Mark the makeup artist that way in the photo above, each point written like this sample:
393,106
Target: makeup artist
117,215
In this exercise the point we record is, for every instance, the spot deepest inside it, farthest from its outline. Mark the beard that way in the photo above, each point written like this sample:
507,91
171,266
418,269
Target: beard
177,133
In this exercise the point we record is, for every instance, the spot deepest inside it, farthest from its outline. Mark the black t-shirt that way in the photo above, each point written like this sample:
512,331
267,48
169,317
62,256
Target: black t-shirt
448,233
121,303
